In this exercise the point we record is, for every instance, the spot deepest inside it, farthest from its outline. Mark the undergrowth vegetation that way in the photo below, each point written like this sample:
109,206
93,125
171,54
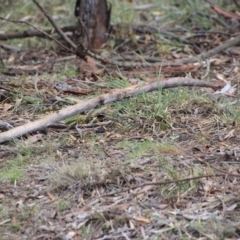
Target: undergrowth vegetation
143,167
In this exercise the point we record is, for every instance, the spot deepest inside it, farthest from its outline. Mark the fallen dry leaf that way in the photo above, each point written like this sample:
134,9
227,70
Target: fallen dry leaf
225,13
6,107
142,221
90,67
51,197
131,224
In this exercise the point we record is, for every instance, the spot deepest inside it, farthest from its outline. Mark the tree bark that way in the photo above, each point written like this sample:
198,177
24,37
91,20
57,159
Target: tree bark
93,23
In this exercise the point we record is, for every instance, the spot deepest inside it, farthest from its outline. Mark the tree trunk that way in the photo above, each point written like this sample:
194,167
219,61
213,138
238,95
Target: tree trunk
93,22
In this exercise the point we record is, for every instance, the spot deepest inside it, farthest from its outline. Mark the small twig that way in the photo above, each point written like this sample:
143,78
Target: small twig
200,57
10,48
84,125
125,235
58,29
85,30
114,234
5,221
199,35
211,166
41,31
162,183
236,3
224,209
208,63
217,169
134,58
215,18
79,130
89,83
32,33
222,173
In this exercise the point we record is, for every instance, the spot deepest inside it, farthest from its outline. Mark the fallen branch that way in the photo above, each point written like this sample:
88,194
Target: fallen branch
33,33
103,99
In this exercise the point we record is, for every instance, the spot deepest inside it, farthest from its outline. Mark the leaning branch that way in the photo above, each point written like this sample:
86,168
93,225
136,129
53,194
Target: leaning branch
103,99
57,28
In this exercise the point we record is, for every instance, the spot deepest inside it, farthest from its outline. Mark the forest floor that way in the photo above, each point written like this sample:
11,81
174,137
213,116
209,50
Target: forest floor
161,165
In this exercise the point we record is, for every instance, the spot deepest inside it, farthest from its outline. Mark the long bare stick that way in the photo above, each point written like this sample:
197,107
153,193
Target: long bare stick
32,32
116,95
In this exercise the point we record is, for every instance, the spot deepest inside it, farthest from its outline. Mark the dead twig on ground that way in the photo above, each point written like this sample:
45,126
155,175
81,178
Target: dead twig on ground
39,30
222,173
236,3
33,32
115,95
162,183
152,29
213,167
198,58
